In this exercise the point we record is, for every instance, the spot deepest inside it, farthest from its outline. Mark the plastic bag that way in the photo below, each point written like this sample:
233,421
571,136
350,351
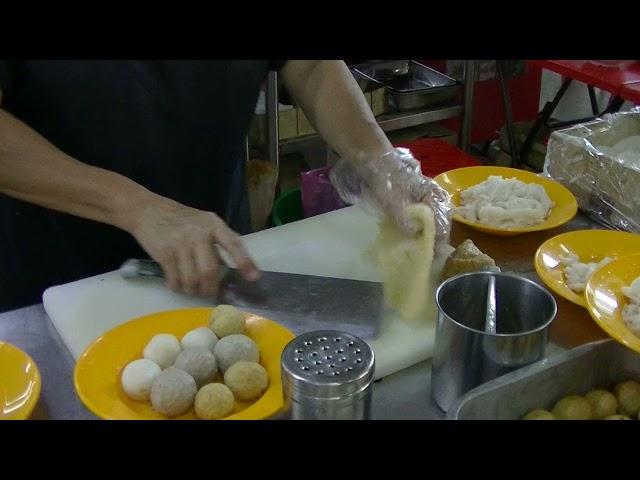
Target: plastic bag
599,162
387,185
318,194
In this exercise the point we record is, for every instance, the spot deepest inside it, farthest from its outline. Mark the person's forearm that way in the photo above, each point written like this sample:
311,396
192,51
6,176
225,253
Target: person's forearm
335,105
34,170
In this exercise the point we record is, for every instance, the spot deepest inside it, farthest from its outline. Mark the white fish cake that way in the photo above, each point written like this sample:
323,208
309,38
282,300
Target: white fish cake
505,203
631,311
577,273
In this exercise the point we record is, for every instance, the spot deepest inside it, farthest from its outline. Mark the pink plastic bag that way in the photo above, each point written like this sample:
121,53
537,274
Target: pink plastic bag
318,194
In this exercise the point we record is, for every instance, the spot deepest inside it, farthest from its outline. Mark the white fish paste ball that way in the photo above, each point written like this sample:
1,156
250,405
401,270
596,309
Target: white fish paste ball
137,378
202,337
162,349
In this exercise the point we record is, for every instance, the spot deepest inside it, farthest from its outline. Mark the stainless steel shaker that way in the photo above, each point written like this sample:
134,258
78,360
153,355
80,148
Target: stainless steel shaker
327,375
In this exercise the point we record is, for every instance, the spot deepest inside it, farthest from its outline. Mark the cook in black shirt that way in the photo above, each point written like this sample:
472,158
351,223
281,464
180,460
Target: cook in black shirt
106,160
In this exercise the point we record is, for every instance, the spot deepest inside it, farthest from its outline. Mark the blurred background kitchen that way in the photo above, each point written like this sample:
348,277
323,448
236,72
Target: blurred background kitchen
450,113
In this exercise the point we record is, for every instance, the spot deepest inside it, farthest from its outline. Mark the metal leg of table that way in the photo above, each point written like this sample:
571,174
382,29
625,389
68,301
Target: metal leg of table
592,98
614,105
542,119
272,118
464,141
506,104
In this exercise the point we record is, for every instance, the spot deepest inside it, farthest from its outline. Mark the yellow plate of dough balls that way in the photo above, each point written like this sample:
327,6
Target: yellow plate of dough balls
144,360
494,193
607,303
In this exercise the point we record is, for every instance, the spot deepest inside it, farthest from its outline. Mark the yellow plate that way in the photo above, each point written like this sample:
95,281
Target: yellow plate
565,208
20,383
605,299
97,373
589,246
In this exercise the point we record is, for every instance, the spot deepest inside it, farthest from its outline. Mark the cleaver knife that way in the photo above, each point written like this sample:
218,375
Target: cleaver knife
302,303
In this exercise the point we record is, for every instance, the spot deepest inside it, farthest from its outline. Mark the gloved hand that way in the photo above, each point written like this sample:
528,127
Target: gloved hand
388,184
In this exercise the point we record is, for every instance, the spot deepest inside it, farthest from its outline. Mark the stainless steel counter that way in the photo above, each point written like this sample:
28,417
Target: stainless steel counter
403,395
31,330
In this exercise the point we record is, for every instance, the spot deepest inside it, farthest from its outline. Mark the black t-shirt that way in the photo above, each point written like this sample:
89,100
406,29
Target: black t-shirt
176,127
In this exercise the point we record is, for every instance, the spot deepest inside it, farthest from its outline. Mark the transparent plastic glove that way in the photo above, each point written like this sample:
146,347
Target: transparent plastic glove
385,186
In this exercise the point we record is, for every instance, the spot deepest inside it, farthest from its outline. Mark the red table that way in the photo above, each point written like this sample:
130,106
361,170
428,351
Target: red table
631,92
611,79
622,81
437,156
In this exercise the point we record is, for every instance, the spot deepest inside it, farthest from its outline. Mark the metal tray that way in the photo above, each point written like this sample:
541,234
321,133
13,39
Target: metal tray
594,365
410,84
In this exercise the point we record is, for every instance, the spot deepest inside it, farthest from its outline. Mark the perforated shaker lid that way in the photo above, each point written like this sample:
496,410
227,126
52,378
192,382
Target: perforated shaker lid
327,364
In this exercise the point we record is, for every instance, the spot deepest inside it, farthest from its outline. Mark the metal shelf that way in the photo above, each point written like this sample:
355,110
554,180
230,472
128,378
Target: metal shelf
388,122
397,121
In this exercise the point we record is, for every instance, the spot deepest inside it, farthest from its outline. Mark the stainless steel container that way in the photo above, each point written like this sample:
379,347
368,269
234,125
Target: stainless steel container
410,84
327,375
466,352
595,365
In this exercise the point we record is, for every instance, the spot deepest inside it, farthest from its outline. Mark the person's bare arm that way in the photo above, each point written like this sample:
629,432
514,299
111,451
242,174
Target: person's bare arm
336,107
371,170
180,238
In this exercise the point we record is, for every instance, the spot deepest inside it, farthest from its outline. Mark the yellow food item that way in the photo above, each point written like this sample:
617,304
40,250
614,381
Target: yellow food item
628,395
598,404
603,403
213,402
573,407
247,380
405,263
617,417
467,258
539,414
227,320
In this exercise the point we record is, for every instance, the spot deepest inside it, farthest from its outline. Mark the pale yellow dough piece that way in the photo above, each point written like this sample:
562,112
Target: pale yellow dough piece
405,263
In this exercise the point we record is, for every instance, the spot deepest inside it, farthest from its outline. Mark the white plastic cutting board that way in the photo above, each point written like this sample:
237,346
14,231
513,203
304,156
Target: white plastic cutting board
327,245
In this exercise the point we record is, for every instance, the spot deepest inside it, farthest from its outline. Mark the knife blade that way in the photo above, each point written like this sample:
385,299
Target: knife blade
300,302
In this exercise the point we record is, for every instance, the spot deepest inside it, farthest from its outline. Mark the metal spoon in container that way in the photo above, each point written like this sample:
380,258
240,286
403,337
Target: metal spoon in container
490,315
